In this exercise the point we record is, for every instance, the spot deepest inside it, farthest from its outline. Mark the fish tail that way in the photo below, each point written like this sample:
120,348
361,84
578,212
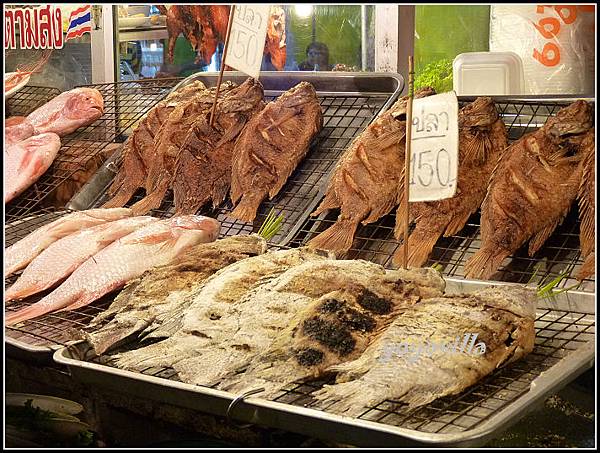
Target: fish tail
329,202
588,269
485,262
16,292
33,311
348,398
337,238
247,207
219,192
152,201
420,245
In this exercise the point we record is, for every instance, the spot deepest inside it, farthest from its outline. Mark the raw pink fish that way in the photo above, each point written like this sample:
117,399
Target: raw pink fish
68,111
17,128
26,161
62,257
20,254
125,259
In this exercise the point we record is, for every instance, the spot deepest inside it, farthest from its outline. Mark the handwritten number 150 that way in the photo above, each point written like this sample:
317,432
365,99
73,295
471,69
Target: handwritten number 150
442,165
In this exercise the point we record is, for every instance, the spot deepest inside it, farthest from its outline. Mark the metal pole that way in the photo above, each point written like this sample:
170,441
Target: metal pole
363,36
407,159
214,106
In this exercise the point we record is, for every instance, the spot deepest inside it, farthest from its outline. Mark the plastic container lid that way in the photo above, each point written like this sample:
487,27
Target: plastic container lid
488,73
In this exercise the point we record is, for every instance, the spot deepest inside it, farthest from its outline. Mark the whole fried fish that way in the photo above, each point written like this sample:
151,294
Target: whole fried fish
420,357
168,143
271,146
68,111
123,260
531,189
587,207
62,257
347,305
17,128
20,254
139,152
364,185
204,321
482,140
203,167
161,292
26,161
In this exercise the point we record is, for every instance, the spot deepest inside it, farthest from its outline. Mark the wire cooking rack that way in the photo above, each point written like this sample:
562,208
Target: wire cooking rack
558,333
560,253
83,150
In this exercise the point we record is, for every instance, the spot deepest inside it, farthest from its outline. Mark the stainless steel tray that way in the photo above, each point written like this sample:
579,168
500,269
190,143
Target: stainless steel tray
565,329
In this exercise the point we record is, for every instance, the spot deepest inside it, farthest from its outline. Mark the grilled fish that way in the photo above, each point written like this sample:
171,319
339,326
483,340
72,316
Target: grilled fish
531,189
125,259
139,152
26,161
482,140
587,207
364,185
346,306
17,128
68,111
271,146
204,319
160,292
20,254
167,145
62,257
418,358
203,167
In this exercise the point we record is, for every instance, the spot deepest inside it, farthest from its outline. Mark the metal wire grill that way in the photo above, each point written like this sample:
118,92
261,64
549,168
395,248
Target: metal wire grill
560,253
124,105
558,333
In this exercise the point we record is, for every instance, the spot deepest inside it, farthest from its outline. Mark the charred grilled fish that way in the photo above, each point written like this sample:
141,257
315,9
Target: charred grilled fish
364,185
587,207
271,146
531,189
420,356
482,140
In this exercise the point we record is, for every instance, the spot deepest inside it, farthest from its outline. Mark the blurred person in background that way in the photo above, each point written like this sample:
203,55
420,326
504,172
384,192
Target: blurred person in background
317,58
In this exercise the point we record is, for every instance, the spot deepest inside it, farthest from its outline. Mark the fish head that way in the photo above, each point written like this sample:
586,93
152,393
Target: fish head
481,112
573,119
85,104
189,230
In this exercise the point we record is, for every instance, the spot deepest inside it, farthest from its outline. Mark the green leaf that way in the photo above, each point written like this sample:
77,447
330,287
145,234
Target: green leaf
271,225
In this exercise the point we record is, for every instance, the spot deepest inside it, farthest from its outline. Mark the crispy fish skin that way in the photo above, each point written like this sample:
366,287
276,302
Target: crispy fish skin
482,140
203,167
587,207
394,368
531,190
204,321
162,291
271,147
364,185
350,305
138,150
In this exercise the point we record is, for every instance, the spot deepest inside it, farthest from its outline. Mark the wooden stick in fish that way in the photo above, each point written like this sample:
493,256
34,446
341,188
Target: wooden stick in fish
407,160
214,107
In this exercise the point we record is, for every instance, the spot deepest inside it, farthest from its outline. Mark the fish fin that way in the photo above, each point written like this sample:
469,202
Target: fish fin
420,245
538,239
329,202
247,207
89,297
485,262
457,223
337,238
219,191
588,268
121,197
151,201
586,208
42,307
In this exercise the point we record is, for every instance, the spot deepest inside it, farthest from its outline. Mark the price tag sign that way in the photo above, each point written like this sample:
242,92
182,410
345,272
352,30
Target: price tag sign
434,148
247,39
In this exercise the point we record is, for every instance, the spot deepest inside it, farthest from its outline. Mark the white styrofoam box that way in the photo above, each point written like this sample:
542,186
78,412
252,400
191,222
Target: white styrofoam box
555,43
487,74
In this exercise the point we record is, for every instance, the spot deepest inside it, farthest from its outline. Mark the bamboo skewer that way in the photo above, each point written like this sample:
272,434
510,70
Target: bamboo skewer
407,160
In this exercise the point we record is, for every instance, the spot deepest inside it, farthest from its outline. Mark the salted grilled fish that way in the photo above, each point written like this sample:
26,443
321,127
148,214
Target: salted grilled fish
26,161
139,152
203,168
364,185
161,292
20,254
271,146
587,207
168,143
68,111
62,257
482,140
531,189
204,320
17,128
346,306
422,356
125,259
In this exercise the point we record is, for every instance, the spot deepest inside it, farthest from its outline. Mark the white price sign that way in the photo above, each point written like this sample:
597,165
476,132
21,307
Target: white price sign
434,148
247,39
